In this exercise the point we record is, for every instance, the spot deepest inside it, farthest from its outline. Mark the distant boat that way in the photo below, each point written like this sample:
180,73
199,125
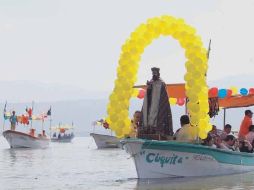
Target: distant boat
105,141
18,139
62,133
102,140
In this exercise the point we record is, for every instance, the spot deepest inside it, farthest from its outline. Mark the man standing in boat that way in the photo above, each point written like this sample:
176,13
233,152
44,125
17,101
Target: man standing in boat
14,121
156,112
246,123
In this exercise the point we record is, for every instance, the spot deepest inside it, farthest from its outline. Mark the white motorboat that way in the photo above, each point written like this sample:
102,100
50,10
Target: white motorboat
23,140
105,141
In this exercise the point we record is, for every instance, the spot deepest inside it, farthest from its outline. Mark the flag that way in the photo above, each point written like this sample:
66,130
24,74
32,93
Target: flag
49,112
30,112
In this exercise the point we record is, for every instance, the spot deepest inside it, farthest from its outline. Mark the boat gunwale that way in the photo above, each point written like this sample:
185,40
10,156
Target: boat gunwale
24,134
146,143
97,134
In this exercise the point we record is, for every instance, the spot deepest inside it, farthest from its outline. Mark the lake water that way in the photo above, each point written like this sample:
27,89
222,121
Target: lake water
79,165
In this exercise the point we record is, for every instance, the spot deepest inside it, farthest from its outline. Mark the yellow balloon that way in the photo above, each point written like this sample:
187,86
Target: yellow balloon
172,101
135,92
234,90
202,134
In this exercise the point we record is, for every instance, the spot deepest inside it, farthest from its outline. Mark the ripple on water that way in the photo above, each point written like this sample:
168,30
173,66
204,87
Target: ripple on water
79,165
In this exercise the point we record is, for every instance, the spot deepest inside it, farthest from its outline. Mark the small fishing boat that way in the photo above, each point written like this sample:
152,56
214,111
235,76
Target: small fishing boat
103,140
30,139
18,139
62,133
168,159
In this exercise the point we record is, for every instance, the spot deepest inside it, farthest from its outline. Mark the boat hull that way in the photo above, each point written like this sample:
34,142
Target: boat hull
62,140
105,141
156,159
22,140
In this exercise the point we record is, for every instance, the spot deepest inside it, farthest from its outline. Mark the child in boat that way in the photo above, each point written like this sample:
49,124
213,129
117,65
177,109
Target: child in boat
245,146
209,141
214,132
226,131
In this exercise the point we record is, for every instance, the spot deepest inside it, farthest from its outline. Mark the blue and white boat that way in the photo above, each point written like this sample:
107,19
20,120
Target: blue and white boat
167,159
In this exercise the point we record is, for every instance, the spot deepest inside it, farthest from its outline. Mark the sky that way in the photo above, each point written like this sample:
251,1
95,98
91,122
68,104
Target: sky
78,42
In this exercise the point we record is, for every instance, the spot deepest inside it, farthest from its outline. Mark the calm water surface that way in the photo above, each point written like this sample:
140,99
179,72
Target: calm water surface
79,165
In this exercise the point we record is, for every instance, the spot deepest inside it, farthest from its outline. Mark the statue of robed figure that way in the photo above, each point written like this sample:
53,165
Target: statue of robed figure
156,119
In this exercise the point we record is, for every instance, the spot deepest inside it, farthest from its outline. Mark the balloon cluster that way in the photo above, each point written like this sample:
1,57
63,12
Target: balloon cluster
196,65
223,93
177,101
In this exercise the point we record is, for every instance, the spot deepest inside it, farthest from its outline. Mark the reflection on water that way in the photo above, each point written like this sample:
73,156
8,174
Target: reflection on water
243,181
79,165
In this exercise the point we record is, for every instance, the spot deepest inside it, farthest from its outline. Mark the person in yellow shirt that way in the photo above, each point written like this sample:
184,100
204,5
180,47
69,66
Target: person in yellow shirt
186,133
135,123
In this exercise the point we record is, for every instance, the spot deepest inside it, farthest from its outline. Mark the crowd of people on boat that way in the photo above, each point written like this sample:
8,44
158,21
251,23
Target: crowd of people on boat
243,142
63,135
216,138
154,121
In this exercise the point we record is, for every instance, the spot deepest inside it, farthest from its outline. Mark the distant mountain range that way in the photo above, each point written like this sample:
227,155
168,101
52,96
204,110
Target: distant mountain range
27,91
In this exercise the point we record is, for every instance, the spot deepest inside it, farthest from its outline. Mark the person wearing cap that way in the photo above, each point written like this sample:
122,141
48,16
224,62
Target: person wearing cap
246,123
156,116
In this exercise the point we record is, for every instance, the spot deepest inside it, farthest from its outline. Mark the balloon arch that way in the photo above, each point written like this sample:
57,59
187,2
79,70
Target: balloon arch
195,77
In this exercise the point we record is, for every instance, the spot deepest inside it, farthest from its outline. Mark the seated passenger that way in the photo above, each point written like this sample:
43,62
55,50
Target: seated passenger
32,132
250,135
209,141
217,141
229,143
44,133
226,131
245,146
214,132
186,133
183,120
135,123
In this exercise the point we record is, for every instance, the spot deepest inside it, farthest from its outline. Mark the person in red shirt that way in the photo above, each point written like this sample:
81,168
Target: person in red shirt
246,123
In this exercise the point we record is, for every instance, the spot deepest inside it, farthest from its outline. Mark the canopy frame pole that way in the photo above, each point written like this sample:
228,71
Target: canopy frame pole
186,109
224,117
31,124
42,125
3,125
50,125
